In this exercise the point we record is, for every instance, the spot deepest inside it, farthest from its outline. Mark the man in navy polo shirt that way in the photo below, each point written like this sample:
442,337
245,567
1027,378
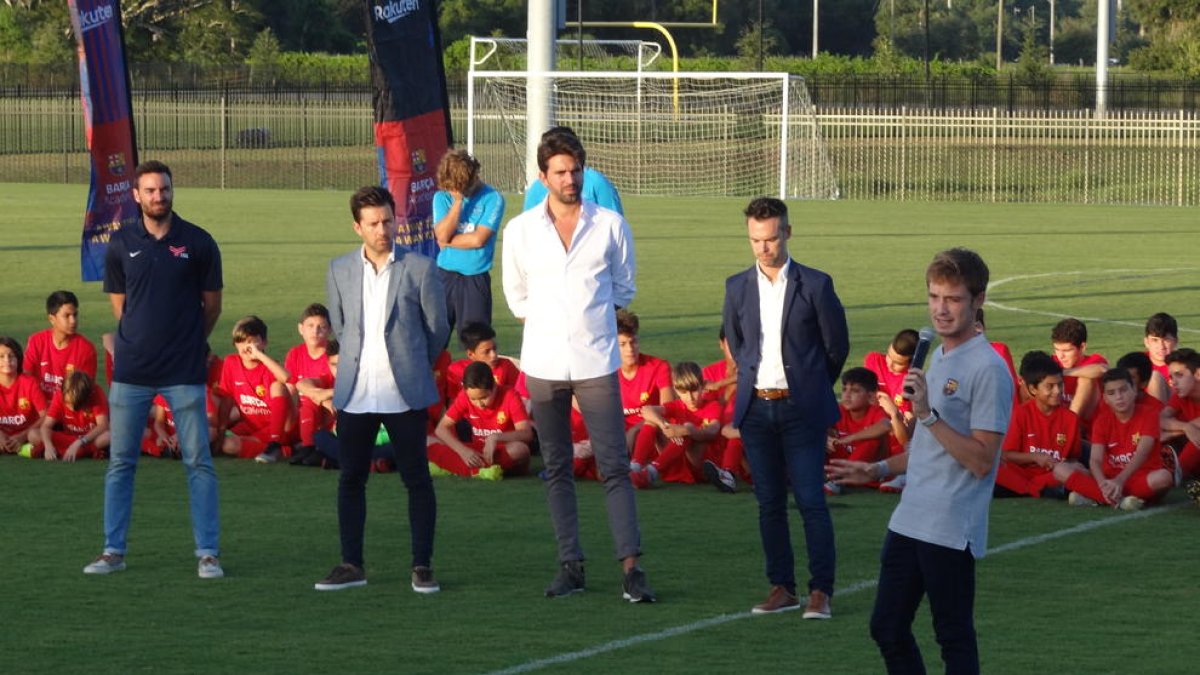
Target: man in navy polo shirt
163,277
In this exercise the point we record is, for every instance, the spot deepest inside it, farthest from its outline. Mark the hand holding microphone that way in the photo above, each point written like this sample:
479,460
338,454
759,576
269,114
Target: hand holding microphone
924,339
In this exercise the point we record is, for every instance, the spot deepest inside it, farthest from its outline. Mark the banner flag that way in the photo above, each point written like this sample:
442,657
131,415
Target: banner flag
412,111
108,124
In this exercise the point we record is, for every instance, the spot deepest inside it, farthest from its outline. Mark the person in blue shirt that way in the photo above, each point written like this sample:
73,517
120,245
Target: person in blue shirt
596,186
466,216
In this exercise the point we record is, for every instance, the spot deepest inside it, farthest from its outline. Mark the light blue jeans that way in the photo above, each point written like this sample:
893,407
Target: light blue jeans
129,405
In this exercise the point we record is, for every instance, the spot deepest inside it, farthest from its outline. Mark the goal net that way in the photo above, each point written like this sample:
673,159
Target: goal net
661,133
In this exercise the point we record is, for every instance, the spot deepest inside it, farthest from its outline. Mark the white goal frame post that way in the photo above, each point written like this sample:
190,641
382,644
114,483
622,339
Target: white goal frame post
660,133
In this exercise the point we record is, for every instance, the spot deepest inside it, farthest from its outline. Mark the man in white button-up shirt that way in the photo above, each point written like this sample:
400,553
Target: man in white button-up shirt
567,265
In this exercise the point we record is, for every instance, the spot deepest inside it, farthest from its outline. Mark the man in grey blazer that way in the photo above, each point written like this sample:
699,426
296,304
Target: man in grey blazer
388,310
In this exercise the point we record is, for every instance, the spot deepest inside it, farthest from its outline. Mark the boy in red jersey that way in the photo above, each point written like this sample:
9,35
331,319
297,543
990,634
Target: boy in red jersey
1081,372
1126,468
672,443
1162,338
307,360
730,464
479,339
720,377
56,352
645,380
76,425
1042,442
160,438
21,402
890,368
861,433
1005,353
500,429
257,386
1181,416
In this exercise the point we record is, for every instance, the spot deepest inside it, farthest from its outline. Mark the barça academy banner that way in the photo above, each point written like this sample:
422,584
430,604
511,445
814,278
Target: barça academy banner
108,124
412,119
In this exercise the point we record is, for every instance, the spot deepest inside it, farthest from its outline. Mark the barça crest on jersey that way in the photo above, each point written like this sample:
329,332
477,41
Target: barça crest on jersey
501,417
116,164
179,251
1136,438
23,404
950,388
418,160
260,391
1061,439
898,400
645,396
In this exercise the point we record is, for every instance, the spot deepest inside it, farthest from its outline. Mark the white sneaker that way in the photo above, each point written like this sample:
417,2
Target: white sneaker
832,489
107,563
210,568
1076,499
1171,463
1131,503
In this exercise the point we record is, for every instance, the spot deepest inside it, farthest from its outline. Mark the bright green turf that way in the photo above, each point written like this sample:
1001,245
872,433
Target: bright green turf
1116,599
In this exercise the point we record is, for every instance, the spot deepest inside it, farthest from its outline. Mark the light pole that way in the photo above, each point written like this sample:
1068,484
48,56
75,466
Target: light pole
1052,15
816,22
999,34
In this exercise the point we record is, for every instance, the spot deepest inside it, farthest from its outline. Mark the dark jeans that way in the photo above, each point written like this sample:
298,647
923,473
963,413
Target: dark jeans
356,434
909,569
781,447
468,298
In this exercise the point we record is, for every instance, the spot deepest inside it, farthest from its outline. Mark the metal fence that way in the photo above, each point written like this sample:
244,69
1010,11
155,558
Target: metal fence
324,140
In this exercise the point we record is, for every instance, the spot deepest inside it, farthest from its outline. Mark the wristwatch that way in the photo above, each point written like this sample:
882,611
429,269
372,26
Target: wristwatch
931,420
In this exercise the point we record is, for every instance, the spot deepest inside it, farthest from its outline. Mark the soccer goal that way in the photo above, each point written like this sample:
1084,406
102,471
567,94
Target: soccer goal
661,133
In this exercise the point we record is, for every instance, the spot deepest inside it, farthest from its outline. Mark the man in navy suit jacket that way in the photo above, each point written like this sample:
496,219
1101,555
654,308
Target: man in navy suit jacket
787,332
388,310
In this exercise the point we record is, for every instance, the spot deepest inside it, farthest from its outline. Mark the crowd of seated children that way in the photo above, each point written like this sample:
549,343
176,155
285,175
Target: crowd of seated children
645,380
675,438
1125,468
76,424
499,426
1042,446
256,408
22,403
870,425
58,351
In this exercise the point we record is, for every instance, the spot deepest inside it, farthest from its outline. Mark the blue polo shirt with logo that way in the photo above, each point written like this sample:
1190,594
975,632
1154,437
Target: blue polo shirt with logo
160,338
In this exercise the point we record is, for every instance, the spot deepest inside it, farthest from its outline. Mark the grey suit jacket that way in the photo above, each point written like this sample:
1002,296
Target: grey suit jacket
416,330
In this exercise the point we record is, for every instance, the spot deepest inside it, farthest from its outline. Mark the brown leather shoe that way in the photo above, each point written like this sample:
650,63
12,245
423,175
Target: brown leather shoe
818,606
778,600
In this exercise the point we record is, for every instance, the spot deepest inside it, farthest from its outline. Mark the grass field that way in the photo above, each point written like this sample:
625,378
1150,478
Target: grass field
1067,590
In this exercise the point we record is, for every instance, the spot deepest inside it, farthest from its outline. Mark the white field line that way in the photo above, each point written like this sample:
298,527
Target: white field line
568,657
1087,319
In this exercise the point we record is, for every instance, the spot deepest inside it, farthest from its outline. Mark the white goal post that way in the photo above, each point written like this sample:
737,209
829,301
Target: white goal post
661,133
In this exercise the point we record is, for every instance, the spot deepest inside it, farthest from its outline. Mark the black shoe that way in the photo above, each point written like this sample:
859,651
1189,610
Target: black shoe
720,478
271,454
568,581
635,588
301,453
1053,492
341,577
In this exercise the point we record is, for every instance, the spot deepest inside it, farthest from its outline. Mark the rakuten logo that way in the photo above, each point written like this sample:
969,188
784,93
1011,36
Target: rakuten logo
395,10
95,18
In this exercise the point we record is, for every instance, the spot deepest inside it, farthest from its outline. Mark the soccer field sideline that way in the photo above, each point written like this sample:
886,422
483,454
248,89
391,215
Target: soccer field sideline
866,584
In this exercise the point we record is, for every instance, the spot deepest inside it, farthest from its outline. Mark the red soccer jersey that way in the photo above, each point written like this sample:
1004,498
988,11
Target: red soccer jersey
677,412
249,388
20,405
80,420
301,366
1006,354
715,372
1186,409
210,409
501,416
644,388
1162,370
49,365
1120,439
505,372
889,382
1071,382
1031,430
847,425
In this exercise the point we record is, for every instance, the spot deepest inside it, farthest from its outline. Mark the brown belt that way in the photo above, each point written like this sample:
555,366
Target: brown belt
771,394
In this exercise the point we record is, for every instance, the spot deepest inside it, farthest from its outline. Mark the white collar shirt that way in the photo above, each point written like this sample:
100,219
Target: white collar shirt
375,389
567,297
771,295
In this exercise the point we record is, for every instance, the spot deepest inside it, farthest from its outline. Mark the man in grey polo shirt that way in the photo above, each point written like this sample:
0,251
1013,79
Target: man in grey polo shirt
962,403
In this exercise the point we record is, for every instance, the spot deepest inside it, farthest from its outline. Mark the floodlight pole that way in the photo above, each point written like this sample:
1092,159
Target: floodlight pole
542,25
816,22
999,35
1103,20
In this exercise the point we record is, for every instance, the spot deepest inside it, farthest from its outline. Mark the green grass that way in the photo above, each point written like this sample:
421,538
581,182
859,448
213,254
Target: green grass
1115,599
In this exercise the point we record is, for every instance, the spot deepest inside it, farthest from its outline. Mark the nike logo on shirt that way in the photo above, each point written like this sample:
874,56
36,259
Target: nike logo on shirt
134,254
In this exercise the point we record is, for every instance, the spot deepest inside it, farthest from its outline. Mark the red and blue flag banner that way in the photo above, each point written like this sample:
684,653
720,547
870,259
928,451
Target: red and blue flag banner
412,111
108,121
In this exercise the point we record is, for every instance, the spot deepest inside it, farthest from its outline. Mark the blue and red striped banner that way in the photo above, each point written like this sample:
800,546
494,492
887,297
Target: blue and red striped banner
412,119
108,121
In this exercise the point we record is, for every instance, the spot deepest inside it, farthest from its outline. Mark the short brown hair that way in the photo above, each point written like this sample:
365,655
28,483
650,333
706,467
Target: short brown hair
248,327
77,389
959,265
458,171
687,376
627,323
763,208
151,166
371,195
1069,330
559,144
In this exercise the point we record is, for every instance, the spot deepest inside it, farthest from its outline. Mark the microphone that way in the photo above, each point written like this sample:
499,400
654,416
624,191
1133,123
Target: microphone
925,337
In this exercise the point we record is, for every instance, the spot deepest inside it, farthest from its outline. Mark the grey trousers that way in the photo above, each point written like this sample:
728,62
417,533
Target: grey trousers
600,402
